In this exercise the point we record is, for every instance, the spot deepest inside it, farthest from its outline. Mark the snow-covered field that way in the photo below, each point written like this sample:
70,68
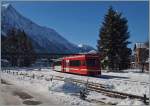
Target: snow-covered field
67,93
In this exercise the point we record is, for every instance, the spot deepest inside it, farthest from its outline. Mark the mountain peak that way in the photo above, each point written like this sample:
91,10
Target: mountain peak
86,48
84,45
6,5
43,39
80,45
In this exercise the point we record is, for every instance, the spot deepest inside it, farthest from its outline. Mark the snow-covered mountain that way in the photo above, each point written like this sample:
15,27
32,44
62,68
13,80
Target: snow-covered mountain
43,39
86,48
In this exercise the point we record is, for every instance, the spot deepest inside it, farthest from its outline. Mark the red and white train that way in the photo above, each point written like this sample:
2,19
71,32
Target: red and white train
84,64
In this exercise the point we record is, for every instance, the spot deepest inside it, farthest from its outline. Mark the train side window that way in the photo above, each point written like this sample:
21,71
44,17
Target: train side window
83,63
75,63
91,62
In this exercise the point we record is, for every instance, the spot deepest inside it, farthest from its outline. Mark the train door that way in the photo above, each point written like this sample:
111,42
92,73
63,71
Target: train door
67,66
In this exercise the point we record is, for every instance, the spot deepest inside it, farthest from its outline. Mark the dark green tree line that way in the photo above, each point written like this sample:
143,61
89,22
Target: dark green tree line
18,48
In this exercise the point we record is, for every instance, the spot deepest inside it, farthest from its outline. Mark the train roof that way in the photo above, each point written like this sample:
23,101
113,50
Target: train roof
82,55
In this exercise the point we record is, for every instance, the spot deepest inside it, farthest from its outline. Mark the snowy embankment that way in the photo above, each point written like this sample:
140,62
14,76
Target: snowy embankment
55,91
131,81
67,93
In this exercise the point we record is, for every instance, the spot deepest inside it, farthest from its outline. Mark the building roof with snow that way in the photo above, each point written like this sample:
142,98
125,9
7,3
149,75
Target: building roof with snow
140,45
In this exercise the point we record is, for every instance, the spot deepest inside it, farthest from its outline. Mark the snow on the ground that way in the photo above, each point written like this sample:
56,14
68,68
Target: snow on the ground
6,96
59,92
132,74
67,93
131,81
129,102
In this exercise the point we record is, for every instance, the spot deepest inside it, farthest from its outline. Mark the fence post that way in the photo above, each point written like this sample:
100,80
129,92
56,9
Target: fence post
52,78
33,76
87,84
144,99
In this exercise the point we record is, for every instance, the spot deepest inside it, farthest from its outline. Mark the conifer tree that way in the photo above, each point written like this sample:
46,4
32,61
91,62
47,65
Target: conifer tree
19,47
113,40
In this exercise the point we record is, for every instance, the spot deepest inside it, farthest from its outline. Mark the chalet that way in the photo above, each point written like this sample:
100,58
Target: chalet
141,54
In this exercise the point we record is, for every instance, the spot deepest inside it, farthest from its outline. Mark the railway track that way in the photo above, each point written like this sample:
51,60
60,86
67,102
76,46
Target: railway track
102,89
91,86
118,79
88,83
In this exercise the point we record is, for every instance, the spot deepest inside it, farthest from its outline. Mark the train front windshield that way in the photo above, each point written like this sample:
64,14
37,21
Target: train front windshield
57,63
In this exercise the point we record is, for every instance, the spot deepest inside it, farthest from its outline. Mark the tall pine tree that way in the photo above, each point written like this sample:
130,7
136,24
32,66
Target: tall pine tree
113,40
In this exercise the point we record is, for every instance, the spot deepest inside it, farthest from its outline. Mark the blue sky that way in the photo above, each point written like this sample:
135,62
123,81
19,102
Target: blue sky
79,22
